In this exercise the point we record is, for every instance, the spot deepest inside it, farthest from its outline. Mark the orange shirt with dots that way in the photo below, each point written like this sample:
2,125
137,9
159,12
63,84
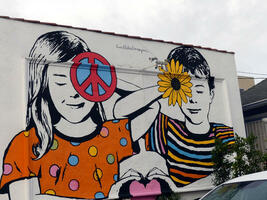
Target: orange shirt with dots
70,169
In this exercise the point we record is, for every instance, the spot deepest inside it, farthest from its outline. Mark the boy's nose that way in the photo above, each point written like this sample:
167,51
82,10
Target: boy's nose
192,100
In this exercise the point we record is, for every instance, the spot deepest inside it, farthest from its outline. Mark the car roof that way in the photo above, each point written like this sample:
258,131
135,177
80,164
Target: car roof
250,177
258,176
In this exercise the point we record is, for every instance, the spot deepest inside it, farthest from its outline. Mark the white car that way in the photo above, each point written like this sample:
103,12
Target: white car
247,187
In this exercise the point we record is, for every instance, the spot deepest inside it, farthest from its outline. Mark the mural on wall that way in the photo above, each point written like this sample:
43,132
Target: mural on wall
185,145
70,149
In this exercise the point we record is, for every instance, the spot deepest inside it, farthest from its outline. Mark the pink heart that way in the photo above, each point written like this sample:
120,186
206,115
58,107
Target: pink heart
137,189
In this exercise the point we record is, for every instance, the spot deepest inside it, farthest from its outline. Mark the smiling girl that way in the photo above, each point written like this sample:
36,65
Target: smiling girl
67,149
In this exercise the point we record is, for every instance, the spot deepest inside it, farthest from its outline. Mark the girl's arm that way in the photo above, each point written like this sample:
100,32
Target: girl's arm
29,189
141,108
141,123
136,101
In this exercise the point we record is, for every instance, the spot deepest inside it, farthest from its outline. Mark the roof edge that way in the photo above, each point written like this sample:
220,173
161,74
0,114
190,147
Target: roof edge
255,104
115,34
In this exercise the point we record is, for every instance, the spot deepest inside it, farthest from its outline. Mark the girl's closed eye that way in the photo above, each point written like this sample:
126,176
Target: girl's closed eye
60,79
60,84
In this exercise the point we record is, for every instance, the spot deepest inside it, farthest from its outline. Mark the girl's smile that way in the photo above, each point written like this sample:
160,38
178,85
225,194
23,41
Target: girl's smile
76,106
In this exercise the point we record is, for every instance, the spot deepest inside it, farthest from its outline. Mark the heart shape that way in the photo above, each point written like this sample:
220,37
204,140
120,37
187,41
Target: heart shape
138,189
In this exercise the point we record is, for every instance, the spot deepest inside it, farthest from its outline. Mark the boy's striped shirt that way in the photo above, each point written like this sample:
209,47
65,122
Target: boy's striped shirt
188,155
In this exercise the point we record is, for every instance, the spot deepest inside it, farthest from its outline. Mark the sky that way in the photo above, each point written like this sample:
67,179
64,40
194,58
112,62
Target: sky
233,25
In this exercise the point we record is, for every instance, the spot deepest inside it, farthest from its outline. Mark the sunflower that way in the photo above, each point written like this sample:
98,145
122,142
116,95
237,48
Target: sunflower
174,83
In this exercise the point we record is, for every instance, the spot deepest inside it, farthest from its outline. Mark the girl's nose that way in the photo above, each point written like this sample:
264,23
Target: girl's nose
75,96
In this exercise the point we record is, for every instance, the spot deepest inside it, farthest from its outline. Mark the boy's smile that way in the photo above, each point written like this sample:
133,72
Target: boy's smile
194,111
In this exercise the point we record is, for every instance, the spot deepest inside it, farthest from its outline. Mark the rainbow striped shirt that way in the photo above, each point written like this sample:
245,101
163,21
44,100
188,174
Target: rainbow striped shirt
188,155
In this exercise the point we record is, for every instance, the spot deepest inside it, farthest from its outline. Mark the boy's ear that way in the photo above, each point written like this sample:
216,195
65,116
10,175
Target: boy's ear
211,95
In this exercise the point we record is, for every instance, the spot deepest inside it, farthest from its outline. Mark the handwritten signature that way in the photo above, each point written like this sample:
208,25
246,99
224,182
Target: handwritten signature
131,47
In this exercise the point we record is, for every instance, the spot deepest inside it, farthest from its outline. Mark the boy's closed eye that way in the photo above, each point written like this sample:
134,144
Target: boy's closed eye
200,91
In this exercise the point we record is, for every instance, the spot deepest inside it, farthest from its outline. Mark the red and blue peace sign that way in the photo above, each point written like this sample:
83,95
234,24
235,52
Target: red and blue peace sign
93,77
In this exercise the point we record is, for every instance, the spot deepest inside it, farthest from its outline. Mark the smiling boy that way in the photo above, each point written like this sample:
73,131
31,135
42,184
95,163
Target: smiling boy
186,145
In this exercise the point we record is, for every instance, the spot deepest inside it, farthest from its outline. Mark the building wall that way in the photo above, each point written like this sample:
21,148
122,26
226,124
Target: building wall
115,123
245,82
259,129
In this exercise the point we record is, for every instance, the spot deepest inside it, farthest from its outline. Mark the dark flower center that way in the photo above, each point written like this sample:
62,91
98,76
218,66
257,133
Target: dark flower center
175,83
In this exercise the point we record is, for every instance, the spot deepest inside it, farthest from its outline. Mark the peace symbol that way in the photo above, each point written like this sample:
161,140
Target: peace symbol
93,77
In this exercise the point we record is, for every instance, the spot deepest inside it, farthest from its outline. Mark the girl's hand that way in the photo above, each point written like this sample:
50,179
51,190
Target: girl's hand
130,175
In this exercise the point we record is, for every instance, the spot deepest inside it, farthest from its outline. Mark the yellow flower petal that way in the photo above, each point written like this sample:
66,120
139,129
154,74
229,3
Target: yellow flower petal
186,89
162,89
180,69
174,71
179,100
174,99
176,76
177,67
164,77
170,75
187,79
172,66
170,98
164,83
188,84
162,70
167,93
182,94
188,94
182,76
169,67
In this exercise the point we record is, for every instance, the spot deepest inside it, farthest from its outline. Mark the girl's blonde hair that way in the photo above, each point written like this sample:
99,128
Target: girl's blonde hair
52,47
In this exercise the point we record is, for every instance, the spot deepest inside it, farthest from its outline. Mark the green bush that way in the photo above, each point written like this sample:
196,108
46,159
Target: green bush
171,196
238,159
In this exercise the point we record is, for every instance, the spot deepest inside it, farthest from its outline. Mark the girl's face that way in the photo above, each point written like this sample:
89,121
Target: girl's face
67,101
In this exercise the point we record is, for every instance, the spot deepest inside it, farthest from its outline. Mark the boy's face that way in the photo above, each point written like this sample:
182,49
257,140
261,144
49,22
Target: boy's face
196,110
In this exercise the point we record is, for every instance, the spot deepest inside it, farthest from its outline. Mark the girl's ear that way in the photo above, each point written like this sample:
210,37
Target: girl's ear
212,93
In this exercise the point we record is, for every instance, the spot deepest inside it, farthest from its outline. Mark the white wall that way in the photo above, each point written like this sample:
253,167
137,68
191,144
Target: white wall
129,56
